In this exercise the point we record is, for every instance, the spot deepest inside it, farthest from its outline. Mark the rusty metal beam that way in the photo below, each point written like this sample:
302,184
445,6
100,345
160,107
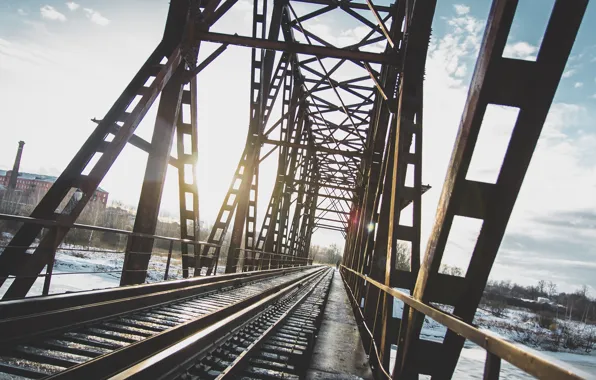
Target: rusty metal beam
296,48
496,80
315,148
138,250
139,142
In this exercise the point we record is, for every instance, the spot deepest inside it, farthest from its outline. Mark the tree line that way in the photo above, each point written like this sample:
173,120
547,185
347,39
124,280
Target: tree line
576,305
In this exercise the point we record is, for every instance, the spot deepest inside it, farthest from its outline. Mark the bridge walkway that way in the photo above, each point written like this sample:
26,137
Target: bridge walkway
338,351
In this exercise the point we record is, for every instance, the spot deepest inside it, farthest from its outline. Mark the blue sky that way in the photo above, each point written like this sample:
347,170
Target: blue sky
62,64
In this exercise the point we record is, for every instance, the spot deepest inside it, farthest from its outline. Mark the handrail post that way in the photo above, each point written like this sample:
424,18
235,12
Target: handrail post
165,276
52,257
492,366
215,257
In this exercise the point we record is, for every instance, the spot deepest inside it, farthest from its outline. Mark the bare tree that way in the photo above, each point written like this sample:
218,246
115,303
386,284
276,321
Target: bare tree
402,256
326,255
315,250
551,289
451,270
542,286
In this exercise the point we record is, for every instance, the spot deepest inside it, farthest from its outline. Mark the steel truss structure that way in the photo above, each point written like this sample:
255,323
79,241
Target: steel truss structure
345,121
528,86
323,109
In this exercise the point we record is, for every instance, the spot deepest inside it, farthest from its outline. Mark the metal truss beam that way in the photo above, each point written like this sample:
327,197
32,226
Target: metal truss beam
529,86
296,48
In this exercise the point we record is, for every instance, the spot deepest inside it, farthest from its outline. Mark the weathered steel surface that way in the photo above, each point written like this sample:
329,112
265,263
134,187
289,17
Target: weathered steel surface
347,133
138,250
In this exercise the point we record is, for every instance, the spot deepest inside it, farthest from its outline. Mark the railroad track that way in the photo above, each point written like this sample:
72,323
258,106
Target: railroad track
123,327
277,344
270,340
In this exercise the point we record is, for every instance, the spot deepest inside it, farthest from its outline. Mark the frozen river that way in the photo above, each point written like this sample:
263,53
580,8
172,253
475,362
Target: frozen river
471,364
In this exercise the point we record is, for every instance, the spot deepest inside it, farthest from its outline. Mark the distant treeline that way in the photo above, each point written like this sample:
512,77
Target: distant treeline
577,305
116,216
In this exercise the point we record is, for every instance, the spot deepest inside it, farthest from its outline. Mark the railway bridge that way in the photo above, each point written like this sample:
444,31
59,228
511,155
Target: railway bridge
346,125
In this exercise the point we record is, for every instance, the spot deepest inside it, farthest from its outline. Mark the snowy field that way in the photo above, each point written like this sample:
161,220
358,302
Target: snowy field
472,359
99,269
78,269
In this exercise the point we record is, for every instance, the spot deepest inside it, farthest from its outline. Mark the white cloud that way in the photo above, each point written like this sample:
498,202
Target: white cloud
36,27
50,13
556,168
451,53
578,84
562,164
461,9
243,5
73,6
96,17
22,12
569,73
520,50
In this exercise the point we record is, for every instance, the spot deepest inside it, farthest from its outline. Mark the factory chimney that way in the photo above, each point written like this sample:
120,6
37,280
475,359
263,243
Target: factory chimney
12,182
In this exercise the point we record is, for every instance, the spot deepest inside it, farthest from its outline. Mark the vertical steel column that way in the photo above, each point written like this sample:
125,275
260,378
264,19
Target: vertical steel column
529,86
122,125
271,231
378,257
310,179
170,115
239,197
139,249
407,157
246,202
287,157
188,190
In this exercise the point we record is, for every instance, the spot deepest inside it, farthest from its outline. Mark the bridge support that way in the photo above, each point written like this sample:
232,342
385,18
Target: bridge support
348,134
138,250
530,87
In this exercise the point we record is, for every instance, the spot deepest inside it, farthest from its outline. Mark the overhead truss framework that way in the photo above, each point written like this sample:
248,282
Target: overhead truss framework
373,236
320,104
344,117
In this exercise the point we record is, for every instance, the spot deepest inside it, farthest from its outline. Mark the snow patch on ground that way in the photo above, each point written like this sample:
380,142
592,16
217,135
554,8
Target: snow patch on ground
77,269
473,357
99,269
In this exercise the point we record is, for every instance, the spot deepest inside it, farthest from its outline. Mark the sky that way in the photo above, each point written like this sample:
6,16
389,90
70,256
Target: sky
63,63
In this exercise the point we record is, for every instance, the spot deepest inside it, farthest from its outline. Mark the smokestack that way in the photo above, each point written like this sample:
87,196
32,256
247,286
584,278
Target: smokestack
12,182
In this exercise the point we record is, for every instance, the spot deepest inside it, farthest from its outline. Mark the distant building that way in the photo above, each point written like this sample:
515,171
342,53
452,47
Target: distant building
544,300
34,186
29,188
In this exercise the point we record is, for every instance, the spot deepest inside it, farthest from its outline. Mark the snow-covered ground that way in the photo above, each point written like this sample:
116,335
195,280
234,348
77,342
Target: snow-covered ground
473,357
98,269
78,268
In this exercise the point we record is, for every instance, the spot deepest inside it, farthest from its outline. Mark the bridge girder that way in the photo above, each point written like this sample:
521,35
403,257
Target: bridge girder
348,133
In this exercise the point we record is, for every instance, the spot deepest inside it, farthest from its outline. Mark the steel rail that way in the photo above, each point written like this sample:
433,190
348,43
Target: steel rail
25,328
186,350
500,349
119,360
240,362
39,304
46,355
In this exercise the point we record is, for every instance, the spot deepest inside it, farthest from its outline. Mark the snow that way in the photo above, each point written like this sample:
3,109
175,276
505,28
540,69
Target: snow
77,269
473,357
99,269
